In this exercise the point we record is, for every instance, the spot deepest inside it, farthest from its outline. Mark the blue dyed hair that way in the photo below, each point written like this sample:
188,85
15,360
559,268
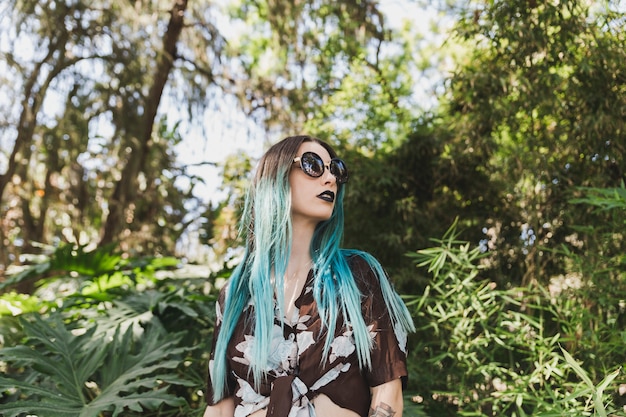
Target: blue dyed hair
266,227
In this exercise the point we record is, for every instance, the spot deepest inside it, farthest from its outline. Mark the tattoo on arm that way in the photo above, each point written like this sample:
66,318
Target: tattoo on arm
382,410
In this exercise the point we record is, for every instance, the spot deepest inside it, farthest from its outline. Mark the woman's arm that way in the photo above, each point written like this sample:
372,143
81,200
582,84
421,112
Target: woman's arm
224,408
387,400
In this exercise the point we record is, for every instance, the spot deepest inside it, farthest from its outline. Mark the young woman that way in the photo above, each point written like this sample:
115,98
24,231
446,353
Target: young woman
305,328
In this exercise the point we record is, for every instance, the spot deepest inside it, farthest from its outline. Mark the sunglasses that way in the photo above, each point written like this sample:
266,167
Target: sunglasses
313,165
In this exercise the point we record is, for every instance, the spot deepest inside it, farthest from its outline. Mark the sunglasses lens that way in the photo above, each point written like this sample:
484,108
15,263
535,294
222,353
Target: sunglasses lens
312,164
339,170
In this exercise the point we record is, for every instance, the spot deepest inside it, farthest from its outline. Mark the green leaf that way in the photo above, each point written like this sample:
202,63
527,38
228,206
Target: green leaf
94,263
136,401
23,275
131,370
47,407
598,402
577,368
95,372
55,352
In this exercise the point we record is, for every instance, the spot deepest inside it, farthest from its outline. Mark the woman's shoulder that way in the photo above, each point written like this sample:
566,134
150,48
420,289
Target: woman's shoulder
222,293
365,268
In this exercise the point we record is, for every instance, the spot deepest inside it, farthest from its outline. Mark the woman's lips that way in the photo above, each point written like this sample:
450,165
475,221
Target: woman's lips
327,196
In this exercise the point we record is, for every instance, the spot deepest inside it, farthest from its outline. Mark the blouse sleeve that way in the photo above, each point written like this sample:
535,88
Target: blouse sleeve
389,344
230,385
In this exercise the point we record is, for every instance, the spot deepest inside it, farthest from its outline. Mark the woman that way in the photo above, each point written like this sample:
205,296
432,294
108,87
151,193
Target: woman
305,328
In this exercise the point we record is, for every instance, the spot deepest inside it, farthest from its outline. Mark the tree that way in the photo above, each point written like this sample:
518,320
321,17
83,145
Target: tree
537,108
125,191
84,70
92,153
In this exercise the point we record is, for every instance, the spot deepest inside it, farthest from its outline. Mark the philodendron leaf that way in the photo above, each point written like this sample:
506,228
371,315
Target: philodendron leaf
46,406
134,371
83,375
62,361
136,401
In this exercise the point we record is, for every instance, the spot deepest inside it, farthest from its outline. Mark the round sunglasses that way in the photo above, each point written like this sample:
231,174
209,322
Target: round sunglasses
313,165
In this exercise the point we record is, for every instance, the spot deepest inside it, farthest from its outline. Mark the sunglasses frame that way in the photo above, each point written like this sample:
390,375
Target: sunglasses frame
332,166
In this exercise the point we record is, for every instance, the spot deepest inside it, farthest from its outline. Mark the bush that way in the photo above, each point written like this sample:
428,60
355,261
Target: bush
106,336
481,350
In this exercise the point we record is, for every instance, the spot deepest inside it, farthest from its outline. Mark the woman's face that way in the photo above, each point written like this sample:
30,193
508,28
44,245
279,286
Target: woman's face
312,199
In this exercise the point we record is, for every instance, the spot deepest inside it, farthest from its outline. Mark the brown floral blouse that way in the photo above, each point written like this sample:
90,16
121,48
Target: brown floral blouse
296,374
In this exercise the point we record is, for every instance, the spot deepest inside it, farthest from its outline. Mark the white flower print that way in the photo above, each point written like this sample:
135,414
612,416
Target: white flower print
305,340
401,337
301,325
298,390
283,351
245,347
373,333
308,289
251,401
330,376
282,354
218,314
211,366
247,393
341,346
301,406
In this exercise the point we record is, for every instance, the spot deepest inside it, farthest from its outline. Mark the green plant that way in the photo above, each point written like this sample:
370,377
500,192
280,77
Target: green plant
106,335
595,392
85,374
481,350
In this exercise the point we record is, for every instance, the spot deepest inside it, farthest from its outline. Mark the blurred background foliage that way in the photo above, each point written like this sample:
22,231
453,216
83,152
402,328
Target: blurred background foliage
486,143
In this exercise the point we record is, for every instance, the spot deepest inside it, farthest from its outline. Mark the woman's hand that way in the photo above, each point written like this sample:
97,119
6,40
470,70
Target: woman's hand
224,408
387,400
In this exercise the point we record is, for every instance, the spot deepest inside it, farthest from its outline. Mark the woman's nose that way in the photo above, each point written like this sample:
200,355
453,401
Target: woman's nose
328,176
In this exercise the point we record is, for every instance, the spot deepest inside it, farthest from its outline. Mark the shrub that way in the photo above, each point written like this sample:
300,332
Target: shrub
481,350
106,336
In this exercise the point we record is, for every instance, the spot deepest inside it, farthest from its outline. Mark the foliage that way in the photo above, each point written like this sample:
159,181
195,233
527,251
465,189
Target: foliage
490,351
400,198
516,137
90,152
116,373
68,173
104,335
535,109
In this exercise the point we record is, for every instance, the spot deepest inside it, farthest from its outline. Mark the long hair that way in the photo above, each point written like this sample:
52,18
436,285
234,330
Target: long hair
267,232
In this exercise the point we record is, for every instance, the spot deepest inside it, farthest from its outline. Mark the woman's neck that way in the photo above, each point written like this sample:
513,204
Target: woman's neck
300,256
298,268
301,242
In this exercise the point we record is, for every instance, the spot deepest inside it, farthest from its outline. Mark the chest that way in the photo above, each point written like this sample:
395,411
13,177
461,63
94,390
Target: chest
296,346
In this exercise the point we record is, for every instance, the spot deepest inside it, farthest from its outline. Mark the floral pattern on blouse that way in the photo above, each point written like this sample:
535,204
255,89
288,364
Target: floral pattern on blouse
295,373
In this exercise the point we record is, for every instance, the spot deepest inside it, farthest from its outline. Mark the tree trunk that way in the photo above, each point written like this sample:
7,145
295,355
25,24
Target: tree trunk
126,189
